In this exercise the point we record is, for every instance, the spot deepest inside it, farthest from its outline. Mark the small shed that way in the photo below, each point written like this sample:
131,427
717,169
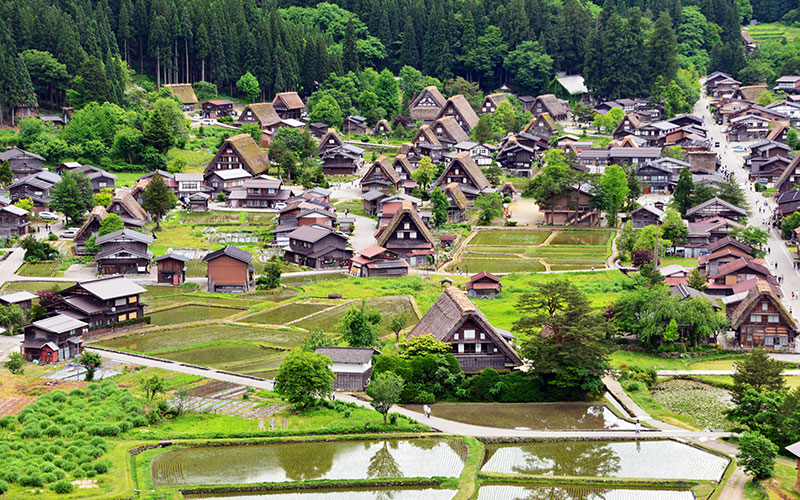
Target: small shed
484,286
198,202
447,240
172,268
22,299
229,270
352,366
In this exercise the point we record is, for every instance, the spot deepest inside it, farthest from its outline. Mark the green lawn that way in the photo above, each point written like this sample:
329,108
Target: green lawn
127,178
711,361
40,270
34,286
387,306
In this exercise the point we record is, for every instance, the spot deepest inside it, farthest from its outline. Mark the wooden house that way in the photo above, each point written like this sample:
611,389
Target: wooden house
318,129
644,216
790,176
629,125
23,300
770,170
789,84
704,232
376,261
225,181
172,268
475,343
403,167
542,125
463,171
217,108
239,151
744,128
426,106
124,252
457,203
129,210
388,206
261,114
425,143
229,270
356,124
765,150
761,321
449,133
549,104
407,236
36,187
657,177
722,252
23,163
53,339
483,286
508,190
382,129
727,107
99,178
259,192
330,140
372,201
572,208
318,247
459,108
189,183
342,160
288,105
788,203
491,102
185,93
13,221
381,176
351,365
737,271
88,229
713,207
481,153
101,302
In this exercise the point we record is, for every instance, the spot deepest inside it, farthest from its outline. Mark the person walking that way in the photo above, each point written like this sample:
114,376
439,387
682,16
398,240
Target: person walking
638,426
427,410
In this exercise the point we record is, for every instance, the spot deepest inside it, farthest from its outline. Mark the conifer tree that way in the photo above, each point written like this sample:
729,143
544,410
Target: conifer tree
349,49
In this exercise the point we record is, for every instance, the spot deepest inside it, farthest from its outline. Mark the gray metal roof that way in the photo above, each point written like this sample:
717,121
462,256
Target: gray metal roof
125,233
574,84
175,256
111,287
59,324
349,355
232,252
13,298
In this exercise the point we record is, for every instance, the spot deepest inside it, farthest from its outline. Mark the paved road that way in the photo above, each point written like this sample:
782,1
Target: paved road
780,261
364,233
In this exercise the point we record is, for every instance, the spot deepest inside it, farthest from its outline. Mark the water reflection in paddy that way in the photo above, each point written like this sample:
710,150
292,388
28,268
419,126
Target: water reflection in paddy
371,494
502,492
280,462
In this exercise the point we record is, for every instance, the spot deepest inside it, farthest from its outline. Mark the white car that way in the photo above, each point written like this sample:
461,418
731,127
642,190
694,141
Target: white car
207,121
280,205
70,233
48,216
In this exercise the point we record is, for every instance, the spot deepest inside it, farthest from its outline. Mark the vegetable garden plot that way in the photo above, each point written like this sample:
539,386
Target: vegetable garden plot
591,238
220,353
538,416
285,314
504,492
185,337
370,494
186,314
303,461
620,459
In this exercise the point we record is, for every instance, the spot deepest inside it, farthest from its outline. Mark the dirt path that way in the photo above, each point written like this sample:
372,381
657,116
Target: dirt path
610,261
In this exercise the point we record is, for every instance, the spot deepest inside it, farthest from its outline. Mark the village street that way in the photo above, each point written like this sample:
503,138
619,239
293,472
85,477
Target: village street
780,262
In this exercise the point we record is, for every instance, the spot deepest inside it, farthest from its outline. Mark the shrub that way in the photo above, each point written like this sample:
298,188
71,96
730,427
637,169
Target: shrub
48,478
393,418
632,386
11,475
425,398
63,487
33,480
102,466
52,237
8,422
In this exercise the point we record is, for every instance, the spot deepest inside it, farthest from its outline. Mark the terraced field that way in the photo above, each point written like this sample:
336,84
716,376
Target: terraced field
507,492
509,238
773,31
388,307
285,314
472,265
350,494
185,314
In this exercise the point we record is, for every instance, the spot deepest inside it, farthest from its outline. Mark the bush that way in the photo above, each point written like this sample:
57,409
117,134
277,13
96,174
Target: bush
63,487
8,422
757,454
52,237
632,386
225,119
425,398
393,418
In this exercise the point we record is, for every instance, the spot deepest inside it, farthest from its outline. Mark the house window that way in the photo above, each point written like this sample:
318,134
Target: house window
764,306
755,318
767,340
460,347
483,336
119,302
455,336
122,317
400,235
477,347
412,235
133,300
772,318
407,225
469,334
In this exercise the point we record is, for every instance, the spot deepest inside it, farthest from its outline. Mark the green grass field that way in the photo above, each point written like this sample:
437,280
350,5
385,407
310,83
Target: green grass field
186,314
472,265
285,314
387,306
495,238
39,270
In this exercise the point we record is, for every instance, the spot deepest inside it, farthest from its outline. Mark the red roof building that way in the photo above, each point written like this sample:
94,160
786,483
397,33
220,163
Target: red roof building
484,286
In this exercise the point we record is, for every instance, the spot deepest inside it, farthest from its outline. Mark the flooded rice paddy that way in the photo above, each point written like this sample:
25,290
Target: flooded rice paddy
618,459
281,462
539,416
503,492
370,494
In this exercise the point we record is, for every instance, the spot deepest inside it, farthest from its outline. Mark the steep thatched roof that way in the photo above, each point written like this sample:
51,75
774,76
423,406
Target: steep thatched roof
184,91
426,135
468,164
264,113
427,113
455,194
406,207
291,100
463,108
125,198
249,151
451,127
98,213
384,165
762,289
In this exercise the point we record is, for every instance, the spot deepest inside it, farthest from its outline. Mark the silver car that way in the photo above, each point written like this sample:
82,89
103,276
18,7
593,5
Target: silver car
70,233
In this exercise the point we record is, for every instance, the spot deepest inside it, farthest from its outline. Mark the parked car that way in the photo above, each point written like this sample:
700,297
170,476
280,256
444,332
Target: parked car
280,205
48,216
740,149
716,144
207,121
70,232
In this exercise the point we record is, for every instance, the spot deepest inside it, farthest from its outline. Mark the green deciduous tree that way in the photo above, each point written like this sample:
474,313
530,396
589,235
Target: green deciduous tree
753,236
425,173
6,175
396,325
490,206
359,326
565,339
158,199
248,85
759,372
611,192
271,277
153,385
103,198
422,345
11,318
757,454
304,377
15,363
697,280
530,66
72,197
111,223
673,227
91,361
609,121
440,204
385,390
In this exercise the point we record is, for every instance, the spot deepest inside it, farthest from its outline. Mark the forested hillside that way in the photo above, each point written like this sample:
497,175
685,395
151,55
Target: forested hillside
78,51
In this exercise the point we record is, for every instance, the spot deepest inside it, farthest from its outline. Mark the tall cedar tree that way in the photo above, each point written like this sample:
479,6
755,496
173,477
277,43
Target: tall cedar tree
157,132
684,190
566,339
349,48
158,199
72,197
663,49
440,204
